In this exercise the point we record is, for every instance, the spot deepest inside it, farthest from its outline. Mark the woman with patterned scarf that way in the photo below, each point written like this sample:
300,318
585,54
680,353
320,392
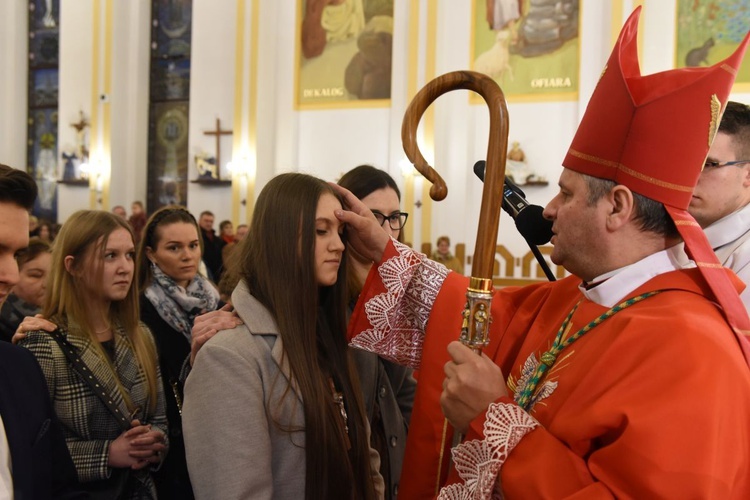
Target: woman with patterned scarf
173,295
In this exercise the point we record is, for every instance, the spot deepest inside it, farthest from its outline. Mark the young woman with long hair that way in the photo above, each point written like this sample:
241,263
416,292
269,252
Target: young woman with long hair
115,422
273,407
172,295
388,389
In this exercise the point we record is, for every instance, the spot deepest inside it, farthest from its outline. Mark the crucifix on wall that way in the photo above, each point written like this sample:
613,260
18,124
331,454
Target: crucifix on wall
218,133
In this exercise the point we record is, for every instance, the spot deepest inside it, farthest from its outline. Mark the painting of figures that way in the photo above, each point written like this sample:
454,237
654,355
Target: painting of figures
531,48
344,53
708,31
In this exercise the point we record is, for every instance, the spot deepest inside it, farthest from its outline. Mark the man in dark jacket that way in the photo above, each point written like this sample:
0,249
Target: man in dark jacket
34,459
212,246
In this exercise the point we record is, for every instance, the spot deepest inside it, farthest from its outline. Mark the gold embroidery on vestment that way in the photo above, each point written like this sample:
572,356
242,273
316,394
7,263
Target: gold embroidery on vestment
631,172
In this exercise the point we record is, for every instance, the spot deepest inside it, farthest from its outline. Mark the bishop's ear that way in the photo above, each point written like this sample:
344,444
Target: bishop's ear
622,206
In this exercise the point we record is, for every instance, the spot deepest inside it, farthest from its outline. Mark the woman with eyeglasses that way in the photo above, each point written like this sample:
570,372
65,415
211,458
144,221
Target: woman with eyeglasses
388,388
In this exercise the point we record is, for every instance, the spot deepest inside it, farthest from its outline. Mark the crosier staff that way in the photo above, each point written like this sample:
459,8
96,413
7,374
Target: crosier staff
476,314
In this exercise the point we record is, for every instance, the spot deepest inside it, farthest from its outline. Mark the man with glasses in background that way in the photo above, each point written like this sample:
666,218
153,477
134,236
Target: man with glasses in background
721,200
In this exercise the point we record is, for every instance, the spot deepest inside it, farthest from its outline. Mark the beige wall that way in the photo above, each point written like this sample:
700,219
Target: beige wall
322,142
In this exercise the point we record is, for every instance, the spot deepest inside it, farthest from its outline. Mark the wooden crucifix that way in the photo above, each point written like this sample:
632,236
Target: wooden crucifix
218,133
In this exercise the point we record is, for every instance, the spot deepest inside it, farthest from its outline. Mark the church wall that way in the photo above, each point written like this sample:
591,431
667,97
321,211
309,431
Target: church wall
277,137
13,94
211,96
76,42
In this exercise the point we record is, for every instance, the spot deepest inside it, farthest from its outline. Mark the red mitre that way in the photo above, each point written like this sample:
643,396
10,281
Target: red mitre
652,134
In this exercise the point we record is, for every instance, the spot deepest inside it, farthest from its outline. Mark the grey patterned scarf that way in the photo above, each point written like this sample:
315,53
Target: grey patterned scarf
179,306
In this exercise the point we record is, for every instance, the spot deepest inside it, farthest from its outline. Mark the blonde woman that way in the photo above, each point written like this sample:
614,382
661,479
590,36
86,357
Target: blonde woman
100,364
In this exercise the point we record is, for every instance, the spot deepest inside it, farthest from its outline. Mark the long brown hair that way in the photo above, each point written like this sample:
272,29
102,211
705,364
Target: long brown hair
84,236
312,325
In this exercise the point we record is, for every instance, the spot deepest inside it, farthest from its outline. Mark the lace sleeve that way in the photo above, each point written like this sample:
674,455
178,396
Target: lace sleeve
478,462
401,295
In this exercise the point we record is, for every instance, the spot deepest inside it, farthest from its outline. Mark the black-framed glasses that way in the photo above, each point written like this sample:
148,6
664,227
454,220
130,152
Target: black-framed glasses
717,164
396,220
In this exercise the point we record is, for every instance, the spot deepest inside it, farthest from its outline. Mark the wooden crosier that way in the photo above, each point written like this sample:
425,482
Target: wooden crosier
479,293
476,314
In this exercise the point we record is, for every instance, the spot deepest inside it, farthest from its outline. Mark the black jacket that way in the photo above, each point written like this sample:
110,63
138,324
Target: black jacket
42,468
172,480
212,246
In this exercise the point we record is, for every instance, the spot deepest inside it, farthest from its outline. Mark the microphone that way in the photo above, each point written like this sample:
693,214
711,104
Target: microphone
529,219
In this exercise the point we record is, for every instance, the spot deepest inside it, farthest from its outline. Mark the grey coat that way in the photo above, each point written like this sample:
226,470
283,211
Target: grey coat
234,450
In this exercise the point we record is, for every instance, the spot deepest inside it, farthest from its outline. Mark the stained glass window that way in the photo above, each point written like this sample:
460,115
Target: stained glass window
44,53
171,33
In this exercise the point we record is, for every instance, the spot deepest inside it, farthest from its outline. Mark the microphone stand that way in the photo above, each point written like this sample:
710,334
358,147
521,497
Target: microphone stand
541,261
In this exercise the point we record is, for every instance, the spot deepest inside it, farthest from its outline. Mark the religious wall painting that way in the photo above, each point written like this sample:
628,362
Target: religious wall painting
43,94
168,159
344,53
708,31
530,48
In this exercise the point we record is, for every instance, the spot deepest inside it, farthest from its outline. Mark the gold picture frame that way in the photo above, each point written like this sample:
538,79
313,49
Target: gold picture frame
532,57
708,31
343,54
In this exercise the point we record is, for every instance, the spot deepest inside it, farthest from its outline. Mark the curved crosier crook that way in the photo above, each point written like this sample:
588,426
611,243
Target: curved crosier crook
476,315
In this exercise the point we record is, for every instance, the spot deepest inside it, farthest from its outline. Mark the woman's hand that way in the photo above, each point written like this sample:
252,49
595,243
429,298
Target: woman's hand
137,447
208,324
30,324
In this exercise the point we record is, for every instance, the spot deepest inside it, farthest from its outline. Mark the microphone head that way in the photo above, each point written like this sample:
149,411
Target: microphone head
479,169
533,226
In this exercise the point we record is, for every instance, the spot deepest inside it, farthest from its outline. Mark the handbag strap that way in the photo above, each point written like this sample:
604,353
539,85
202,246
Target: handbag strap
89,378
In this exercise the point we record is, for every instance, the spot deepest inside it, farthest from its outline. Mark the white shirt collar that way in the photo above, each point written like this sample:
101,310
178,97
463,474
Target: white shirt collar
728,228
616,285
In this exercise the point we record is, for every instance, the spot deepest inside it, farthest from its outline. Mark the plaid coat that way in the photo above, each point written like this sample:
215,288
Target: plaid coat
89,426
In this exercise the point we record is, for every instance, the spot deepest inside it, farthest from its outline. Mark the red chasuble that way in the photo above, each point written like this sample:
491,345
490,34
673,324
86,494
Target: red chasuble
652,402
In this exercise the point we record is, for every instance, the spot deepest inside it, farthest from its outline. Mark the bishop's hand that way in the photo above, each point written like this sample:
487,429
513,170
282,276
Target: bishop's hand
472,382
364,234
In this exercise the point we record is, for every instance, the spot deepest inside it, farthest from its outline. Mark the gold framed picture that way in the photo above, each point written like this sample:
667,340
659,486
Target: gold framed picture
708,31
532,49
344,53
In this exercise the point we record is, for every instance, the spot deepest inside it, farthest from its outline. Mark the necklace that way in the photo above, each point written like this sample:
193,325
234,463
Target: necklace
100,332
548,359
338,400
